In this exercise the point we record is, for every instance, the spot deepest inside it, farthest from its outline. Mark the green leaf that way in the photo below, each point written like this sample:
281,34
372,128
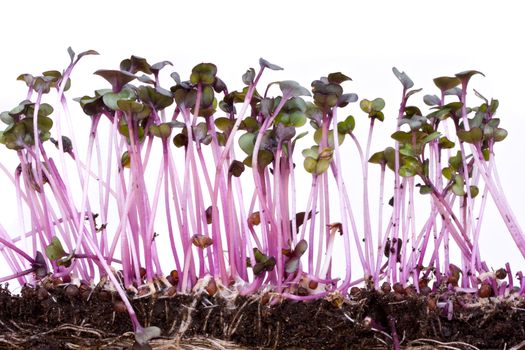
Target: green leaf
44,110
477,120
158,97
478,94
116,78
259,256
180,140
203,73
264,158
66,260
86,53
162,130
345,99
425,189
494,104
266,263
456,161
415,122
467,74
16,137
431,100
458,189
125,160
486,154
247,142
488,132
258,269
292,88
346,126
500,134
312,152
454,92
247,78
377,158
111,99
224,124
447,173
219,85
6,118
402,136
412,92
129,106
337,78
155,68
407,150
265,64
200,131
390,154
207,96
322,165
411,167
284,133
445,143
406,171
92,105
326,94
454,106
124,131
294,104
27,78
330,139
145,79
299,136
54,250
22,108
71,53
175,76
441,114
474,135
431,137
446,83
44,124
310,164
377,104
474,191
135,64
249,124
366,105
403,78
297,119
43,84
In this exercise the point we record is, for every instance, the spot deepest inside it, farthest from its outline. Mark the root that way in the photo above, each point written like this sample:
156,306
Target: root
236,320
518,346
77,329
186,322
443,345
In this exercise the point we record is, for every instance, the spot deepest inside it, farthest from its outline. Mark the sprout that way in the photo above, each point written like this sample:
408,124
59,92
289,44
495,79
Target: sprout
236,221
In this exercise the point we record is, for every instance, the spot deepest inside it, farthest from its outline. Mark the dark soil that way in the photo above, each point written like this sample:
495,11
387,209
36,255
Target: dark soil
60,318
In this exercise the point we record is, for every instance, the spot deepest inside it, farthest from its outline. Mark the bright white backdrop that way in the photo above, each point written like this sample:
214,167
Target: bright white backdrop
308,38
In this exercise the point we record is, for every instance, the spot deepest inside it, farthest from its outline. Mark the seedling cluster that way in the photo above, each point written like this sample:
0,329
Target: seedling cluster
104,218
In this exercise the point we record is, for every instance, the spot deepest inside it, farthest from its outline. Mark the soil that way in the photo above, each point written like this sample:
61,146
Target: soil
61,317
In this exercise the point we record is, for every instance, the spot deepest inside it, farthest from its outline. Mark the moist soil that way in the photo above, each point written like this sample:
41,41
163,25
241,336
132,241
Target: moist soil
62,317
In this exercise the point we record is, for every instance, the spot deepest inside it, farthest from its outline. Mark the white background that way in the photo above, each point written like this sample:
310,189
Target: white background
309,39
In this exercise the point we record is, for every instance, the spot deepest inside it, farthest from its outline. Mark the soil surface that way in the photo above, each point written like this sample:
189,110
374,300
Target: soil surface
68,317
